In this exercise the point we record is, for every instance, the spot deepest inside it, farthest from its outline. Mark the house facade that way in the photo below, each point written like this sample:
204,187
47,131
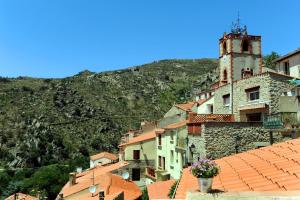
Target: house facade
289,64
171,151
140,152
102,158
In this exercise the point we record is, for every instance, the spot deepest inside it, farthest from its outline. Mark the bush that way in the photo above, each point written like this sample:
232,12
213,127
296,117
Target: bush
172,190
205,168
145,194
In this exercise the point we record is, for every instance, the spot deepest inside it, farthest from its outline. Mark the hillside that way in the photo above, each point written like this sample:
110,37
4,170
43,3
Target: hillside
45,121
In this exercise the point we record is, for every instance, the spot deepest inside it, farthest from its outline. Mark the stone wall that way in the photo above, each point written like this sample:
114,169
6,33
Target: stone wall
199,142
220,137
271,86
278,84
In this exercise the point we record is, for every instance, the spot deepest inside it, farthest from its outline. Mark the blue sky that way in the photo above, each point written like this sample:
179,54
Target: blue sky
58,38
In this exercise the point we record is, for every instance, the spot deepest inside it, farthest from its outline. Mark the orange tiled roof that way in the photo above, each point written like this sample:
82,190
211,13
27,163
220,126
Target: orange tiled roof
177,125
143,137
21,196
185,106
104,155
84,179
201,101
272,168
160,190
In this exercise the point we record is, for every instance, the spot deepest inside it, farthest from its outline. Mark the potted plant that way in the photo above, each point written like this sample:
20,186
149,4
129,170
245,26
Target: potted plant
204,170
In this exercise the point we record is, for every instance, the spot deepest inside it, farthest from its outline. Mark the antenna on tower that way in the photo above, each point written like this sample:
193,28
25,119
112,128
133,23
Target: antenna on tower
236,27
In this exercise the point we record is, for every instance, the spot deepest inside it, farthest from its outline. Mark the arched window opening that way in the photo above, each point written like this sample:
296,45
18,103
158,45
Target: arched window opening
224,47
225,75
245,45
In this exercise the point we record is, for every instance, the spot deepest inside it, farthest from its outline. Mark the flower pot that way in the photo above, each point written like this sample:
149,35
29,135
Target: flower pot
205,184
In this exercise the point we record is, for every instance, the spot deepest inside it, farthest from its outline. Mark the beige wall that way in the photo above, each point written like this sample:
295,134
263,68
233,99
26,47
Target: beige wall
293,61
147,150
237,59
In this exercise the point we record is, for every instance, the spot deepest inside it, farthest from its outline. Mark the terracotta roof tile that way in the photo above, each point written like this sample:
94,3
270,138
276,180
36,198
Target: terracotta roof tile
143,137
104,155
185,106
272,168
21,196
160,190
84,179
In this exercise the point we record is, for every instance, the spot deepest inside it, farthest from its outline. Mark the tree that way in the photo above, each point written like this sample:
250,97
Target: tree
268,59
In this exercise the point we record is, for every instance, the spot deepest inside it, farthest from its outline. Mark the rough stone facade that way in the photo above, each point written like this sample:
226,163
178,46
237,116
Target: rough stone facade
199,143
223,139
271,86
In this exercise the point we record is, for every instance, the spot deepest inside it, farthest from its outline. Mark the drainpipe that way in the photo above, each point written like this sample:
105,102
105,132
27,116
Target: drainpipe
231,96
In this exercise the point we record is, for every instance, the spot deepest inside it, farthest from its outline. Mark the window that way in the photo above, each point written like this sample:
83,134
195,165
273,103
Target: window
136,154
225,75
253,94
159,140
172,136
224,47
101,195
226,100
159,161
211,109
172,156
286,69
136,174
245,45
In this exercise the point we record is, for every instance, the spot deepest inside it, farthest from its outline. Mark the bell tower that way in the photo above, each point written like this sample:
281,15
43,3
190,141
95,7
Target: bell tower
240,54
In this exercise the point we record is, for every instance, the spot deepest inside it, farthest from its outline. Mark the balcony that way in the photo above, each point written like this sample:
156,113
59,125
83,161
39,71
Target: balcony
181,143
162,175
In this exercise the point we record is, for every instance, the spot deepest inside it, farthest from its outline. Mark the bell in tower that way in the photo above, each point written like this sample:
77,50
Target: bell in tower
240,54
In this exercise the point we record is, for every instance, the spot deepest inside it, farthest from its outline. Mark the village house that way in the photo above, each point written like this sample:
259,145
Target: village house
21,196
102,158
100,182
266,173
171,151
289,64
140,153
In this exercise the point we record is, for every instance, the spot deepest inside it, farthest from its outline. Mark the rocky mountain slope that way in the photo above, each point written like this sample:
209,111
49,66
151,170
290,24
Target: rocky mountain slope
44,121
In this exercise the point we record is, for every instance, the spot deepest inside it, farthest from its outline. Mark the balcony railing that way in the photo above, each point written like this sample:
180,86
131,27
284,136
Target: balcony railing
280,120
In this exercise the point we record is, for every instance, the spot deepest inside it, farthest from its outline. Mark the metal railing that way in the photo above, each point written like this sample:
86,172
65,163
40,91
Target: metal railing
280,120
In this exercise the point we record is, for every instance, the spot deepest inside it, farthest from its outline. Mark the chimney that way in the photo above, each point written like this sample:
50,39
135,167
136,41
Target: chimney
72,178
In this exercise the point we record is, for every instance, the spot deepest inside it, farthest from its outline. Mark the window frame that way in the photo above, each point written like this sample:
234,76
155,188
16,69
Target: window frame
253,92
225,97
136,155
159,140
